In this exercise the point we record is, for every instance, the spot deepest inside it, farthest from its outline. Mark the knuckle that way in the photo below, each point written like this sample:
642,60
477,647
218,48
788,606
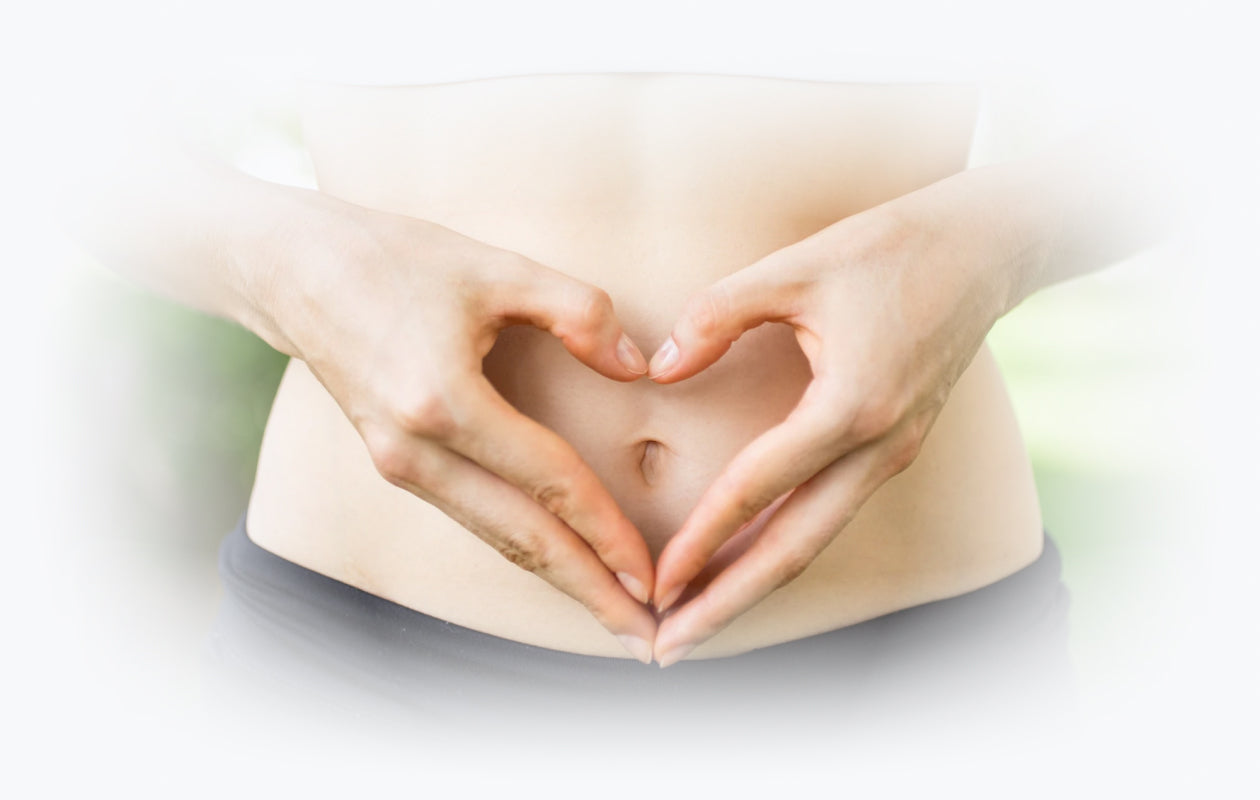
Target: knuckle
905,452
526,552
748,507
793,562
392,458
873,419
592,306
584,311
428,414
708,310
555,495
829,411
748,504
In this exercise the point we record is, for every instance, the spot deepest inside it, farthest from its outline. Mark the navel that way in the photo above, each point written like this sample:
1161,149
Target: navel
651,462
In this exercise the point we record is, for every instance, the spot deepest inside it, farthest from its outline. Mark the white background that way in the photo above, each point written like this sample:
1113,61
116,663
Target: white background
1178,706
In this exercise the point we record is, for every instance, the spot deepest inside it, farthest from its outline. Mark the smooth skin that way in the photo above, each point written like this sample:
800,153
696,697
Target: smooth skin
394,314
889,306
396,325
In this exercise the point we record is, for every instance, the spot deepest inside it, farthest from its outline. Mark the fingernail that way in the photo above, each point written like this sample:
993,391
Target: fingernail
665,359
670,599
634,586
639,648
677,654
630,357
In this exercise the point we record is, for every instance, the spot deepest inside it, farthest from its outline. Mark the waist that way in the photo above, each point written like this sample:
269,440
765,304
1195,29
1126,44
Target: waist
283,626
649,189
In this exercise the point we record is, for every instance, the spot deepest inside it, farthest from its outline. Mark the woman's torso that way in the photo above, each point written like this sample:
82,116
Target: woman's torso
650,186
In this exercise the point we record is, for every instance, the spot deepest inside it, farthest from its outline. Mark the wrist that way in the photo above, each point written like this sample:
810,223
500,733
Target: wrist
278,237
1019,214
986,227
1076,208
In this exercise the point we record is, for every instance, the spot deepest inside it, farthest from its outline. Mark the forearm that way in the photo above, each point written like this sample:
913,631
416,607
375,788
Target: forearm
1078,207
195,230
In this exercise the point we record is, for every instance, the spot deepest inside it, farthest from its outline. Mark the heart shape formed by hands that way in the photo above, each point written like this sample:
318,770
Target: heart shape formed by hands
642,440
888,313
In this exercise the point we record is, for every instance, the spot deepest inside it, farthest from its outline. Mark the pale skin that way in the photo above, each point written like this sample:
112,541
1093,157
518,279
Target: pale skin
889,306
394,315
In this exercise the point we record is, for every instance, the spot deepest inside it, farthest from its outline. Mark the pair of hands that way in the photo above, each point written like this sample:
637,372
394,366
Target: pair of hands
889,307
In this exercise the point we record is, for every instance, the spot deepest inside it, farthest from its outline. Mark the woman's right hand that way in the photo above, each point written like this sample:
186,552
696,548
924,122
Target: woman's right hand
394,316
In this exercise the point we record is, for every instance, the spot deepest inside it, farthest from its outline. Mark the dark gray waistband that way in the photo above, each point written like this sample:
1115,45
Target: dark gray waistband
285,625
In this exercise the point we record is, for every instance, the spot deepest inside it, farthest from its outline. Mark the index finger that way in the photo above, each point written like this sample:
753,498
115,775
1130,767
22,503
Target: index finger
524,533
772,465
800,530
539,462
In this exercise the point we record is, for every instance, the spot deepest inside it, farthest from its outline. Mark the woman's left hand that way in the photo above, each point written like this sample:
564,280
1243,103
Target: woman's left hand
889,306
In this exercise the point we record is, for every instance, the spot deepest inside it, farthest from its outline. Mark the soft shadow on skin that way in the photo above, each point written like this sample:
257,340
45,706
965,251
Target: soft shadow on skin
727,554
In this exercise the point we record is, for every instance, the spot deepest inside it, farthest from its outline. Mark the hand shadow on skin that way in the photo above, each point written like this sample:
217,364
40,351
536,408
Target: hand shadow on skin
726,555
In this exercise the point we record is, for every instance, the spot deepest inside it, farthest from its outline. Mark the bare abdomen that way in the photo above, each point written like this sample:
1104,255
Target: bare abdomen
650,187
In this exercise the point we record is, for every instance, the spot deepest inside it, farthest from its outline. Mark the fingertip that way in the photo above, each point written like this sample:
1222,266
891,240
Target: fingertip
637,647
665,360
668,596
675,362
634,586
671,579
630,357
671,645
674,655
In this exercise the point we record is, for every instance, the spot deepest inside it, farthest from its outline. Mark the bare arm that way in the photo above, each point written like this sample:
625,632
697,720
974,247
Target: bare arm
394,316
889,306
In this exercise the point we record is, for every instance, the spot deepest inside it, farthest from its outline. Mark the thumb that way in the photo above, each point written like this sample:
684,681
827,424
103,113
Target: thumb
715,318
581,316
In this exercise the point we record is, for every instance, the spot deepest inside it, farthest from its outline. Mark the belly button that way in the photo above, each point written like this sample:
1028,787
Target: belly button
650,462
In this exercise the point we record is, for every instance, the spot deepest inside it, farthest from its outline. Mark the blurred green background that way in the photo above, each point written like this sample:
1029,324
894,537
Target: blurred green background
176,402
